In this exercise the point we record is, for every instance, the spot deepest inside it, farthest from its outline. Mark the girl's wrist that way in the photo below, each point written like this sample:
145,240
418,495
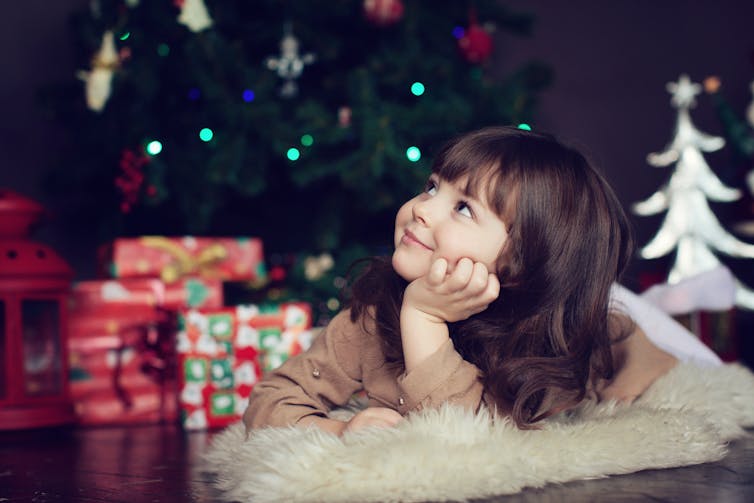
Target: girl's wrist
410,310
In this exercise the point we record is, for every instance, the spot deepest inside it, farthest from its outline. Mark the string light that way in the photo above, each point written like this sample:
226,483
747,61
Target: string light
417,88
248,95
163,50
413,154
307,140
194,93
206,134
125,35
524,126
293,154
154,147
458,32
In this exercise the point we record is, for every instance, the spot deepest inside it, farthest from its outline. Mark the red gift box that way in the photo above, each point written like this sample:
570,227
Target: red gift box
222,353
186,292
171,258
122,365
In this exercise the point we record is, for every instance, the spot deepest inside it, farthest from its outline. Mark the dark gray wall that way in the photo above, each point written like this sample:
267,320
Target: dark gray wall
611,60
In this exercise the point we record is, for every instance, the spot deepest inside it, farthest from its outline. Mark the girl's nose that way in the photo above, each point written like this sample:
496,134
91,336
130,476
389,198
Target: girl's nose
421,212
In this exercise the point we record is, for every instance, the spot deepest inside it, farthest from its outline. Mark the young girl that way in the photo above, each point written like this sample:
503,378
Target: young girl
498,294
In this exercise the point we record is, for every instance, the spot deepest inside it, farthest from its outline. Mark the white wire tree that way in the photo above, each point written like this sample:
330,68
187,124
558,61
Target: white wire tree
690,227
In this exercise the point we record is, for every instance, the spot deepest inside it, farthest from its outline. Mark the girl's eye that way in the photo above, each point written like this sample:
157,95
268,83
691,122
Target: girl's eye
464,209
430,188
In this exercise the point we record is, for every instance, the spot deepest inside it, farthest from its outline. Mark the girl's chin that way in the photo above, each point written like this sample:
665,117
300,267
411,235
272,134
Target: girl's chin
407,271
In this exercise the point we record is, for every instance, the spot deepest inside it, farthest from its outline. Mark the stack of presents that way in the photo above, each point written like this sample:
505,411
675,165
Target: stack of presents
154,341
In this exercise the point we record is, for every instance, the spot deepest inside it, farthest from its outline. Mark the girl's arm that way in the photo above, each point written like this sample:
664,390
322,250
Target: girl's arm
638,364
430,302
306,387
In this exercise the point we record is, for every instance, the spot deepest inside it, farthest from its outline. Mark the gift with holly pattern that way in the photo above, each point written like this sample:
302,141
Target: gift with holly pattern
222,354
172,258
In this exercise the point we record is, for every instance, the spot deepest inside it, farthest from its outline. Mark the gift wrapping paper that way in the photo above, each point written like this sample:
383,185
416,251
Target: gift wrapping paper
186,292
122,365
222,354
171,258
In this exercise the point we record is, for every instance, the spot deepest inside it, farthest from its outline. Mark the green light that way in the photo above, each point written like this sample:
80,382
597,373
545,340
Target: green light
163,50
154,147
417,88
293,154
524,126
206,134
125,35
413,154
307,140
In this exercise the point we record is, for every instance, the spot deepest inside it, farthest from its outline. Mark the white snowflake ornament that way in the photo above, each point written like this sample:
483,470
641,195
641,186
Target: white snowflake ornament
290,64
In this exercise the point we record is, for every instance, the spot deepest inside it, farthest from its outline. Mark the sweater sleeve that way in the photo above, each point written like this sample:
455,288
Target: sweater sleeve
443,377
311,383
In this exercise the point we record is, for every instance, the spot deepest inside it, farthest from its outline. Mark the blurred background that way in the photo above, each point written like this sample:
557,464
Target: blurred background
193,126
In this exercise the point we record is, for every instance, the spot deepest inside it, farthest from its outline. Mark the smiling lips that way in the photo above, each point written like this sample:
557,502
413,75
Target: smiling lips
411,239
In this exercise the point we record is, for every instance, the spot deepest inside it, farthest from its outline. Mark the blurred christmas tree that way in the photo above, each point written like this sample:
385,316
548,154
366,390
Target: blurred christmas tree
304,123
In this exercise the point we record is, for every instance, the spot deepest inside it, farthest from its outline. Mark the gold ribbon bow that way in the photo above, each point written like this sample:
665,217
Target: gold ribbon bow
184,262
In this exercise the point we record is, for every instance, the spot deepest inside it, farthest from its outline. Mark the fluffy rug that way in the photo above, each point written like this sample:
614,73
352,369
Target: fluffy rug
687,417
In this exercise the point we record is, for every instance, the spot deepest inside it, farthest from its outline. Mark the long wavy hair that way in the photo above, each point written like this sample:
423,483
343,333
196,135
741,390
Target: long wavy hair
550,329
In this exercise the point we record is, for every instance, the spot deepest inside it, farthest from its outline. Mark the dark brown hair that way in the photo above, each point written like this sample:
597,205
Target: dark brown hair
538,343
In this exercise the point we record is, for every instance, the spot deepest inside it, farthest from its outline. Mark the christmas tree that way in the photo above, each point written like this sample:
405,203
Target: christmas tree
690,226
304,123
739,134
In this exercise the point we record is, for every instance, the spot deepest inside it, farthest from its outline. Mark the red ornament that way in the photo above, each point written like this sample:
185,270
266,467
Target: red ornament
476,43
34,283
131,179
383,12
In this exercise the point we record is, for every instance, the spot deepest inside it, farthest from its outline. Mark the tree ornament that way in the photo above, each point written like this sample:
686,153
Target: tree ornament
476,42
194,15
316,267
383,12
290,64
99,79
344,117
131,178
690,226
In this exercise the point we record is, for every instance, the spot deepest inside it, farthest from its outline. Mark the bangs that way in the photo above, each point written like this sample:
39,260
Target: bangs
485,172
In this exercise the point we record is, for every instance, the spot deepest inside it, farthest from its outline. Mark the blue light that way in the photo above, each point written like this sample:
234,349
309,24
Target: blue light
248,95
458,32
194,93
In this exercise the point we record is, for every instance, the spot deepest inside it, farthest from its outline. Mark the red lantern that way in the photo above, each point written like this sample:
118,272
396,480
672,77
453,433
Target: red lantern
34,283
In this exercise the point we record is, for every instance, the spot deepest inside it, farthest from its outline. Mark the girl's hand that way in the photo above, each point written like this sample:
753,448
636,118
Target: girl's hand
380,417
443,296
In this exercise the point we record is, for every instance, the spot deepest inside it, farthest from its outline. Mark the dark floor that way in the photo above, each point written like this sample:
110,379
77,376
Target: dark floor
160,464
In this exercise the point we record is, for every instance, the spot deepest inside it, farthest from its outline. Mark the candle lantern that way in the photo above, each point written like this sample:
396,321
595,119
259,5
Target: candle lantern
34,284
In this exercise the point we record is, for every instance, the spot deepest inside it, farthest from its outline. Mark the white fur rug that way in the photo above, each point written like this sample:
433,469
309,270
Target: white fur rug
687,417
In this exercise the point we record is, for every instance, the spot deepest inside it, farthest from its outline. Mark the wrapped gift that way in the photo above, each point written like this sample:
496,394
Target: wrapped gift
222,353
122,365
186,292
171,258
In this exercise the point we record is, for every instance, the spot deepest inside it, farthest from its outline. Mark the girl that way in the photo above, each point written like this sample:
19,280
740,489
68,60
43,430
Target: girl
498,294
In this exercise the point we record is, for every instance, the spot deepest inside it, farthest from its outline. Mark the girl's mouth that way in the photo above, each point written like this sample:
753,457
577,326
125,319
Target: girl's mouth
410,238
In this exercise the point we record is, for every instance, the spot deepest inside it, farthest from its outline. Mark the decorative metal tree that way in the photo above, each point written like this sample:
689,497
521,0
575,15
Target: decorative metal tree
690,226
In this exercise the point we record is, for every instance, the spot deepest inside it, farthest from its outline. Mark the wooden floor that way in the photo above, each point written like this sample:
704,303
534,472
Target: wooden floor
161,464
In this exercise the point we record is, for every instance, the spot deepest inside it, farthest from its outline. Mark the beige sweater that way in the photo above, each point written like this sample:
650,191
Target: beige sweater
345,359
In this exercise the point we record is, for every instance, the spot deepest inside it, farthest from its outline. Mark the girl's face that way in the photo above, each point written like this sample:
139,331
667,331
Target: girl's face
445,222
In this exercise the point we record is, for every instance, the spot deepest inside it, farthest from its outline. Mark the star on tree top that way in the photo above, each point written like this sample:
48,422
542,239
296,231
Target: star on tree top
683,92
